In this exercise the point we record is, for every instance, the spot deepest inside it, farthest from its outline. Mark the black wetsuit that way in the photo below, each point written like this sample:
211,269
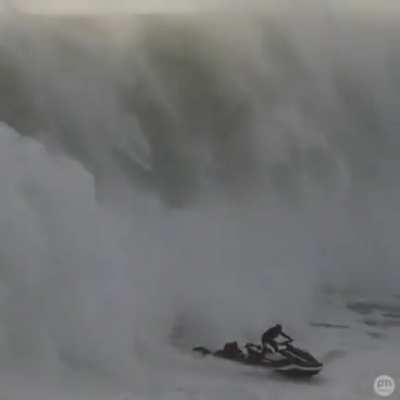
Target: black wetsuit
269,336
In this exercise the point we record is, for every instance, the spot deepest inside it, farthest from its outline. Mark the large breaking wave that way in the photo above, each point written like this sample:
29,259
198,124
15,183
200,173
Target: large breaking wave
165,179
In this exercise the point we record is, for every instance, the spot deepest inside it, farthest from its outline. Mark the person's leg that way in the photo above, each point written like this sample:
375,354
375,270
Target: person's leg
270,347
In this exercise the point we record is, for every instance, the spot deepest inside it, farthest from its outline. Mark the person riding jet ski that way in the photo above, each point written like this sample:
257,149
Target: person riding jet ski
272,353
268,339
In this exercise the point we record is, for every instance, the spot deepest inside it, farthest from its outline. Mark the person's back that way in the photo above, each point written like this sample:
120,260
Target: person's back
269,337
271,333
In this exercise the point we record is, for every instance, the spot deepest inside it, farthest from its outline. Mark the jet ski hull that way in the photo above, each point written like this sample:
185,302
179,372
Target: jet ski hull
298,362
291,362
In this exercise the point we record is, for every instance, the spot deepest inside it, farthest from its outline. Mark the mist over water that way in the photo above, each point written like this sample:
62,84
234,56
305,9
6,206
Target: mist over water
167,180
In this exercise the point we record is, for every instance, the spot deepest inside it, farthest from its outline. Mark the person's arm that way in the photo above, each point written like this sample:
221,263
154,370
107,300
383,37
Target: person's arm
287,336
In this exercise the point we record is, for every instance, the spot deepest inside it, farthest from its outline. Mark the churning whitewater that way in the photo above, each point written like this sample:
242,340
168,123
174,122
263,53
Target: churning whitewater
174,180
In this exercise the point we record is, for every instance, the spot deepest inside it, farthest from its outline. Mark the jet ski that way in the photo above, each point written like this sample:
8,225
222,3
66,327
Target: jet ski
287,359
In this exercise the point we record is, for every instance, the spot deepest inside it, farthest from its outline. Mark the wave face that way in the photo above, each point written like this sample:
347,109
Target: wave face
168,179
